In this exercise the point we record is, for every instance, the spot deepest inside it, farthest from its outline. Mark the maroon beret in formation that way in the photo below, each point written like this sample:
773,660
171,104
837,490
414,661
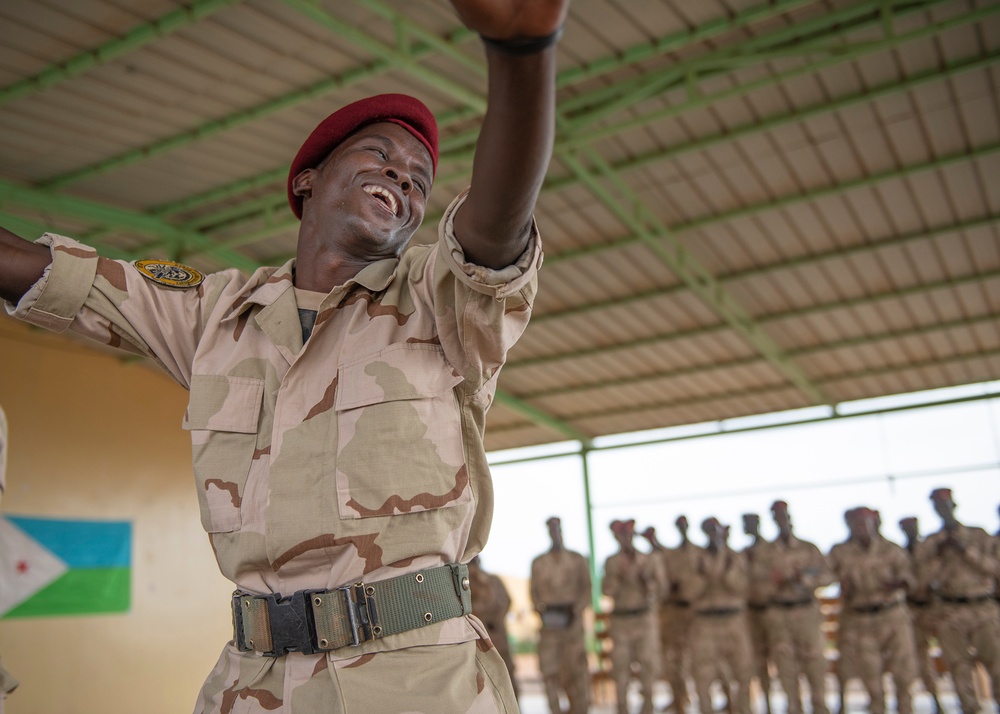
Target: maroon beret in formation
407,112
941,494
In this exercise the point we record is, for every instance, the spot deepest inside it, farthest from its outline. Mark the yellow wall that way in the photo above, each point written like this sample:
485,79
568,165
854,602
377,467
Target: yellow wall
92,436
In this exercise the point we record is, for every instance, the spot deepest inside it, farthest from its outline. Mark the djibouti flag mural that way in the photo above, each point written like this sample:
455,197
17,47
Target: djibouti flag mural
55,567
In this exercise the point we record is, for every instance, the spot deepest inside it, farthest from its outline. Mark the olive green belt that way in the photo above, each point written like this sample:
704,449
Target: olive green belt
311,621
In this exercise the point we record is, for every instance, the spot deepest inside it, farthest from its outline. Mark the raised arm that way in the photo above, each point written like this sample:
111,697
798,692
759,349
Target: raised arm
515,143
21,265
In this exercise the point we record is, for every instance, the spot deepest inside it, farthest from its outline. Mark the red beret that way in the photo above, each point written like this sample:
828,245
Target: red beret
941,494
409,113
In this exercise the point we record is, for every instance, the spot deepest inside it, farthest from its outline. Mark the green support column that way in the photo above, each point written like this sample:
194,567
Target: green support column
595,581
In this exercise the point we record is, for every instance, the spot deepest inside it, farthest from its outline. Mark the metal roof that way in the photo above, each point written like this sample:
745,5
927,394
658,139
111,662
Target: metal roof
753,205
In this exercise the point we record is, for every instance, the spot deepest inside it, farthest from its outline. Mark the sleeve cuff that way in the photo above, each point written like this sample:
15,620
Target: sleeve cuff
54,301
498,283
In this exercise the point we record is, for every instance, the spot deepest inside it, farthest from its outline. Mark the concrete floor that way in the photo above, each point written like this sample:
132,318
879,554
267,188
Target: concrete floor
532,700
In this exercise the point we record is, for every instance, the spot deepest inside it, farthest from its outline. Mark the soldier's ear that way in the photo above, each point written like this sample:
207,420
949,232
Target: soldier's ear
303,183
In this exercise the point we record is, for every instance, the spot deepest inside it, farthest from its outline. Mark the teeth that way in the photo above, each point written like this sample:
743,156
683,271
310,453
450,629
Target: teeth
389,198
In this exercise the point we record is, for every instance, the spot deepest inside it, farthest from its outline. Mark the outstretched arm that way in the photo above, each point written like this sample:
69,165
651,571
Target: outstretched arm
21,265
515,143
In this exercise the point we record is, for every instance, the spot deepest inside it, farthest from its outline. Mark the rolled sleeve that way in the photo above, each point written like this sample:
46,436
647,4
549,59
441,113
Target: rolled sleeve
54,301
497,283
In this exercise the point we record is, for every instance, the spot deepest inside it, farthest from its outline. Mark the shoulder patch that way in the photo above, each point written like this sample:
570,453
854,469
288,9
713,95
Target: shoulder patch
169,273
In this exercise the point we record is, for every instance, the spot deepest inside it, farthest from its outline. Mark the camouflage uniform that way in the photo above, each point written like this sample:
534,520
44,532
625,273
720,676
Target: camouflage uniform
759,593
719,636
7,682
872,582
560,591
924,615
632,582
675,621
295,482
491,603
794,622
964,580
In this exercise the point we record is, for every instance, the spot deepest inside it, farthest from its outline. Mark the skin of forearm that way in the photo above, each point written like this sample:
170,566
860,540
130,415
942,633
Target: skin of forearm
21,265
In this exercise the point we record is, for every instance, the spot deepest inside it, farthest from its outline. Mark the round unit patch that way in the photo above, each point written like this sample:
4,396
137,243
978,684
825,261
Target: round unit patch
169,273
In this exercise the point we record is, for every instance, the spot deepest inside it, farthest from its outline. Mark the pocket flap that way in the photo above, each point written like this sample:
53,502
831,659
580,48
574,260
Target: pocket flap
220,402
400,372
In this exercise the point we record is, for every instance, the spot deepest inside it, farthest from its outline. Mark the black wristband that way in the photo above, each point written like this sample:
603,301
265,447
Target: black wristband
523,45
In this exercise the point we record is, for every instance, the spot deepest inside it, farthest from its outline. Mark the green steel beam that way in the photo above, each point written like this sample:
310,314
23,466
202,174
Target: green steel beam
756,50
642,222
784,201
395,56
679,40
12,194
655,340
770,390
586,138
134,39
883,90
540,417
812,259
698,369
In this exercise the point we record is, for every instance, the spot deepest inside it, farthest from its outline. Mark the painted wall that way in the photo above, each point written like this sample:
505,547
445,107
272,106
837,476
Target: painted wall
92,436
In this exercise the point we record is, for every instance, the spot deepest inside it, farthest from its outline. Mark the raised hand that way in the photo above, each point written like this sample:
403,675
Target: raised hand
509,19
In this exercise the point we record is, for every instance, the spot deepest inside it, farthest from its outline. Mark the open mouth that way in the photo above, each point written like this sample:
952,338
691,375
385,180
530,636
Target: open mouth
384,197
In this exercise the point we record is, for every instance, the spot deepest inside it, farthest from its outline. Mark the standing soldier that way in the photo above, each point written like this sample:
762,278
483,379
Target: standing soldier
963,567
560,592
794,622
676,615
491,603
631,579
874,576
720,640
847,652
759,592
922,611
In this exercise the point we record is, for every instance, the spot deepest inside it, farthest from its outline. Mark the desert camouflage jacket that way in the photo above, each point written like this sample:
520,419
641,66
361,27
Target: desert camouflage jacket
357,456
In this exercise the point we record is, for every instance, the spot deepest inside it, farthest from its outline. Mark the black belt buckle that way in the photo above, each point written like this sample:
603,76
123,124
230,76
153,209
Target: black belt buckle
362,612
291,623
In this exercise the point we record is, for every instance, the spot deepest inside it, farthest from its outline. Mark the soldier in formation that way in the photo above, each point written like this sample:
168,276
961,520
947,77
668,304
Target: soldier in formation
675,618
797,568
759,592
720,640
963,565
919,600
632,579
560,592
491,603
874,576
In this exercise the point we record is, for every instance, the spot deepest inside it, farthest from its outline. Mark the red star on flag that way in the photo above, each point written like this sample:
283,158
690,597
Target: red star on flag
22,566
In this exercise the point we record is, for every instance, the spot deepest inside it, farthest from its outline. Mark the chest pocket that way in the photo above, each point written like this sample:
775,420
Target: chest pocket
222,415
399,445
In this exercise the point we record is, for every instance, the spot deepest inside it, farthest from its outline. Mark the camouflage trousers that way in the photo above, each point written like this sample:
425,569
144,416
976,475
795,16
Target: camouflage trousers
720,650
562,658
962,629
634,642
884,642
464,678
924,631
675,629
757,623
797,648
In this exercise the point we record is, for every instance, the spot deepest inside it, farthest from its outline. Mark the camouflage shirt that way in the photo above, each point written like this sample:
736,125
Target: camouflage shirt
560,577
967,568
357,456
872,576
